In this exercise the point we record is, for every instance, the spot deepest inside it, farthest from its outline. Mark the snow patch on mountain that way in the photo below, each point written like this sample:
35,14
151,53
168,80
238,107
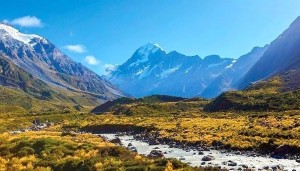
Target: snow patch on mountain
149,48
169,71
229,66
188,70
145,72
144,52
7,32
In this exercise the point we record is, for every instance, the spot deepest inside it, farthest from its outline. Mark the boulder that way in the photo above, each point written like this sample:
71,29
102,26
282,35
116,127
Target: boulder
156,153
244,166
208,158
200,153
153,142
231,163
283,149
116,141
133,149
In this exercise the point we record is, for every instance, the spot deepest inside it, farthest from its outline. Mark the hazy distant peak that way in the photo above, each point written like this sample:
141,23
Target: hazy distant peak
212,58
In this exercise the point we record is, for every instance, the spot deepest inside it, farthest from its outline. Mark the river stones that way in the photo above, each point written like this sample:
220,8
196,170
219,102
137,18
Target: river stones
156,153
116,141
208,158
181,158
231,163
153,142
203,149
244,166
133,149
200,153
277,167
266,167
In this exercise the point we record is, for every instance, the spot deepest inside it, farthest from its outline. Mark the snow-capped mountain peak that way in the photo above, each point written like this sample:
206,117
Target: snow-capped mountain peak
9,32
150,70
145,54
149,48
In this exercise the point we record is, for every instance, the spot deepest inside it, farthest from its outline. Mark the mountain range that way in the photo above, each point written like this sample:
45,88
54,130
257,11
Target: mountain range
35,70
31,62
151,70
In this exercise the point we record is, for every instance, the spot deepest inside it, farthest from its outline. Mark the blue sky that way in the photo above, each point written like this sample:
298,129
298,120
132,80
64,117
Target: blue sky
101,32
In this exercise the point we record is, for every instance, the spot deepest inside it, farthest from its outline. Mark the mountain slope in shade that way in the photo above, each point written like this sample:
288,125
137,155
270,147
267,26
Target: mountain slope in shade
232,75
39,57
22,92
14,77
151,70
282,55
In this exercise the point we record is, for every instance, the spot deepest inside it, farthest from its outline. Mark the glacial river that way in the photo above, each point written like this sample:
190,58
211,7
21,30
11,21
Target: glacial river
192,157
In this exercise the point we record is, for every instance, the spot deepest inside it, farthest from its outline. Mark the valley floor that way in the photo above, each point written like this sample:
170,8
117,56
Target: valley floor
64,144
263,134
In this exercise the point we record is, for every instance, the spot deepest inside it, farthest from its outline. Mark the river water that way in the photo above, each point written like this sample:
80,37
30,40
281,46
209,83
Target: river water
192,157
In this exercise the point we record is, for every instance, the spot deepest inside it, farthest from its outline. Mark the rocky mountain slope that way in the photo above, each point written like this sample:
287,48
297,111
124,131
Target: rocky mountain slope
37,77
21,92
283,55
229,79
43,60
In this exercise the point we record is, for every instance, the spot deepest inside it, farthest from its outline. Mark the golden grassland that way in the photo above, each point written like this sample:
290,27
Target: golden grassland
184,121
26,151
243,130
54,149
51,150
235,131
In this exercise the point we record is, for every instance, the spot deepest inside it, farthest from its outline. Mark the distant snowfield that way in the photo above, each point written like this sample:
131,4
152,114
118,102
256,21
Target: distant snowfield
192,157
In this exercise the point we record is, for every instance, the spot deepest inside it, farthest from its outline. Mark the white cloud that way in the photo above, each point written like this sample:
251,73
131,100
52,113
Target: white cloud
75,48
109,68
92,60
27,21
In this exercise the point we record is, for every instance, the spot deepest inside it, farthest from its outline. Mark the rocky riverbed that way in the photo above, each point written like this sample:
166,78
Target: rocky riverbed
201,155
